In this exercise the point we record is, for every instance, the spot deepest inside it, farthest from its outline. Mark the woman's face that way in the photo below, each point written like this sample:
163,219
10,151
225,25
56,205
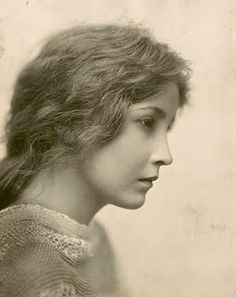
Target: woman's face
122,172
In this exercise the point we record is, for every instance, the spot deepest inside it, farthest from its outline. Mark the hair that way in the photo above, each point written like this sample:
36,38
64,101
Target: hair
74,95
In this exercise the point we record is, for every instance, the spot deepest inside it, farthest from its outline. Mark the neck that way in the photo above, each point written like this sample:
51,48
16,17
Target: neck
64,192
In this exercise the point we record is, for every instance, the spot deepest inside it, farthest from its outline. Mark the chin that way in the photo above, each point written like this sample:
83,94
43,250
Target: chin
131,202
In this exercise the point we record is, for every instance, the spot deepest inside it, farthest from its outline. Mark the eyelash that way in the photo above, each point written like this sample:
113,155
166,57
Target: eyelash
147,123
170,127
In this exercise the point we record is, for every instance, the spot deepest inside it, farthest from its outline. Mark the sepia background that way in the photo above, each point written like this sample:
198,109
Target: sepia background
182,242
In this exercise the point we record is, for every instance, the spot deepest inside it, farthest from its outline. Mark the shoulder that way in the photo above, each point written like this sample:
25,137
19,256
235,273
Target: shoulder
31,269
43,253
27,226
36,259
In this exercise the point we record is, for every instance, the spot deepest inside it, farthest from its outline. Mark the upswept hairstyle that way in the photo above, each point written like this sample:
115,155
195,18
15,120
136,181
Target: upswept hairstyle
73,97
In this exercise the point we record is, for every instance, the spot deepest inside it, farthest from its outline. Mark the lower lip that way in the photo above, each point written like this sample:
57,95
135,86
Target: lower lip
146,184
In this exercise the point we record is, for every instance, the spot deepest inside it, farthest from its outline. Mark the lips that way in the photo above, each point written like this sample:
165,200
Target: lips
148,181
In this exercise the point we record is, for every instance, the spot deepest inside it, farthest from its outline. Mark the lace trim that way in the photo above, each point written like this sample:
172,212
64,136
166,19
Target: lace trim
74,248
45,210
3,248
63,290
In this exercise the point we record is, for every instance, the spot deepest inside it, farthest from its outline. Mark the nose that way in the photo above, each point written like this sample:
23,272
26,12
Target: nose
161,153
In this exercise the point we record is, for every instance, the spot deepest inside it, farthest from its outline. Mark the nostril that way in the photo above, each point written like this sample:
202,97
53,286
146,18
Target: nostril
160,163
165,161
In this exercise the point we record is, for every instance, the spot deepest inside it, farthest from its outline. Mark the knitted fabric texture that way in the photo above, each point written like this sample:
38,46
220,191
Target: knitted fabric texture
44,253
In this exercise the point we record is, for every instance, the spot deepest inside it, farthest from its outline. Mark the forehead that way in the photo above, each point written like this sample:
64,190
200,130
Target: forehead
167,101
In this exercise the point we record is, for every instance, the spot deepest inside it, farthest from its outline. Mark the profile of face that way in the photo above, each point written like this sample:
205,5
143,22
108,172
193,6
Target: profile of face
122,172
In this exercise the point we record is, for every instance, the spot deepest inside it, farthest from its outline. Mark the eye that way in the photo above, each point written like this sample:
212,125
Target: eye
147,122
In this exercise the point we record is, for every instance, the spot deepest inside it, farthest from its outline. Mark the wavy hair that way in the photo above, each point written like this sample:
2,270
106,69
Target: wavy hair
74,95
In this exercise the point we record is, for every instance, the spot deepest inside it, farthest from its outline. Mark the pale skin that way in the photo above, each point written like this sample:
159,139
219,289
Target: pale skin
115,173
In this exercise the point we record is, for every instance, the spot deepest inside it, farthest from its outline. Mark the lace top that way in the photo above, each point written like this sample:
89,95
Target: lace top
45,253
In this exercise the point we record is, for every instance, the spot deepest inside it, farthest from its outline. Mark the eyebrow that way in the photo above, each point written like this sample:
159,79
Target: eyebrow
161,113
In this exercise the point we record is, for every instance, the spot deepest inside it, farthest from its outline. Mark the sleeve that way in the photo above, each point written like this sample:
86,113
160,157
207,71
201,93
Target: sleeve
35,270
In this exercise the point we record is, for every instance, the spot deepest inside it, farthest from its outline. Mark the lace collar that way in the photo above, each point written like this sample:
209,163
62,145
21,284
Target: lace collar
47,217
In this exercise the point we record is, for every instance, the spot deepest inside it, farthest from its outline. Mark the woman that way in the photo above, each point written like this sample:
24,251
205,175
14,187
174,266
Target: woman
88,127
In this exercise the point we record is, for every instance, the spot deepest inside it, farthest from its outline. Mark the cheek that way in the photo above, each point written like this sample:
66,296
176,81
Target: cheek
121,160
133,151
124,155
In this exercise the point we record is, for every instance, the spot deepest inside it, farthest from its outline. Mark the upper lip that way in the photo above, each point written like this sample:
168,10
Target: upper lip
151,178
